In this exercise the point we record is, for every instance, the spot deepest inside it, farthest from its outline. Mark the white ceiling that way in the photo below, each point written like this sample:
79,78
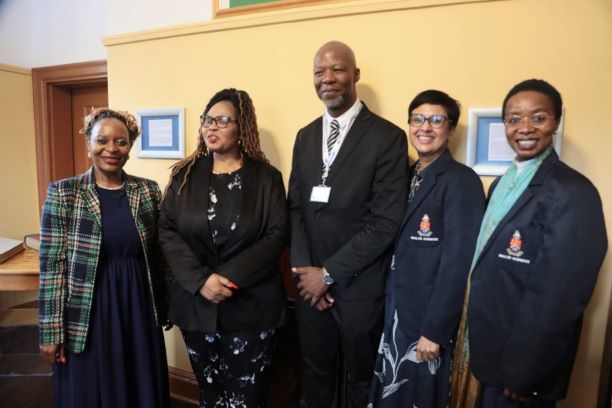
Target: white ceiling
37,33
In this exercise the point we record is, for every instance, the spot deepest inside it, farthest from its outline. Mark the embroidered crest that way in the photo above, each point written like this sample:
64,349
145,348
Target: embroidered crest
514,249
424,227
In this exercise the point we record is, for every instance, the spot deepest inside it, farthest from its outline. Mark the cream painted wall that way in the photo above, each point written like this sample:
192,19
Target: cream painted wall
473,50
19,203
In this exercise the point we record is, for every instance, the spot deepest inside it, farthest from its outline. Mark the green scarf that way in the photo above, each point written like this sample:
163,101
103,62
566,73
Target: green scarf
509,188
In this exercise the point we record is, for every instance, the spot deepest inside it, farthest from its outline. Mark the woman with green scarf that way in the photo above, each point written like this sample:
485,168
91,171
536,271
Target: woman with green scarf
538,254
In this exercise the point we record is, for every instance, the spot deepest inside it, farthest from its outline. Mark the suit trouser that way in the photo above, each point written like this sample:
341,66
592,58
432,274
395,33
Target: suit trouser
351,329
493,397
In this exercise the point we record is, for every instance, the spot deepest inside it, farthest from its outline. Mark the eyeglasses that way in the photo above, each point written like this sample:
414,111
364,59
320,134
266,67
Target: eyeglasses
435,121
536,120
222,121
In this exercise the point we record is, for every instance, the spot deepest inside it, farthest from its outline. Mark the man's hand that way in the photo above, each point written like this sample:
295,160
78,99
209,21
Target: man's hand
217,288
427,350
326,302
513,395
311,284
53,353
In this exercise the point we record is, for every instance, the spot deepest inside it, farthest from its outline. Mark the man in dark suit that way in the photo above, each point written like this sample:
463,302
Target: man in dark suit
347,194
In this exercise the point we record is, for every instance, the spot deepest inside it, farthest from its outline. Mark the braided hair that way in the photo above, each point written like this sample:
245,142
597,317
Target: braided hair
248,134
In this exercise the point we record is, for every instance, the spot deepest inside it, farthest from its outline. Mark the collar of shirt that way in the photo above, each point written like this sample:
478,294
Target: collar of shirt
345,121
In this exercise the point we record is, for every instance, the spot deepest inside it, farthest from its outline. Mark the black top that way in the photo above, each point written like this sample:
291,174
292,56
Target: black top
224,201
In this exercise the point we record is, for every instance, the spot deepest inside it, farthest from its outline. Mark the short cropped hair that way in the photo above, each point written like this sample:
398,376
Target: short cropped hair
435,97
537,85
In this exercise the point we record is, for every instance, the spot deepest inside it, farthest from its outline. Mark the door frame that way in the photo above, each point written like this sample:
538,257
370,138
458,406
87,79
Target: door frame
52,115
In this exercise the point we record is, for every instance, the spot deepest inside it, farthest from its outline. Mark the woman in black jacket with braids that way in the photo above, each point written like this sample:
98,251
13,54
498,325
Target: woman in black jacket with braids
222,229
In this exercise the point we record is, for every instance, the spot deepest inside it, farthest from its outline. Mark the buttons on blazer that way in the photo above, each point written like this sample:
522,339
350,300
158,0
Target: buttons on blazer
317,214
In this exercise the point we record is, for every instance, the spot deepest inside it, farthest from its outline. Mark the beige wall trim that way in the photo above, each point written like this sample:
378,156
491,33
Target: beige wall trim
14,69
317,11
183,386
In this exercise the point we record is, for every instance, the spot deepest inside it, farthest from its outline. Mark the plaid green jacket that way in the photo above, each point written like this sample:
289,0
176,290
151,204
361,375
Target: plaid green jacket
71,236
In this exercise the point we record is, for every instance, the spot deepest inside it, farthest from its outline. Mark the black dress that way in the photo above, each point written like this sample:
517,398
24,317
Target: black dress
124,361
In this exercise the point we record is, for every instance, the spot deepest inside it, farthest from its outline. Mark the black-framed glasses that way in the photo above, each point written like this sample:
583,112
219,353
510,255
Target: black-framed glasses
222,121
536,120
435,121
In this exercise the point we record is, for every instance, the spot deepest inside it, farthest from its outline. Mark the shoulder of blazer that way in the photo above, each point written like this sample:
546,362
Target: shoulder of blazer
264,169
461,170
68,187
552,171
569,180
201,165
311,126
145,185
367,115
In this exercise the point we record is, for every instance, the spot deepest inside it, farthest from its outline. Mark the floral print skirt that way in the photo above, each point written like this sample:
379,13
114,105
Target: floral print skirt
399,379
230,366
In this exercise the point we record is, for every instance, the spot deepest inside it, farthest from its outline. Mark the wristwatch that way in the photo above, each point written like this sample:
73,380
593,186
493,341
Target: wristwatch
327,278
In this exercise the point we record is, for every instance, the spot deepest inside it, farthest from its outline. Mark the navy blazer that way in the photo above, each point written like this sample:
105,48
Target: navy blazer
351,235
434,250
528,297
251,262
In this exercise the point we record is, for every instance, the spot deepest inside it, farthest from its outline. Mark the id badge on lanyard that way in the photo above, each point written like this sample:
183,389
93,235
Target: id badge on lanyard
320,193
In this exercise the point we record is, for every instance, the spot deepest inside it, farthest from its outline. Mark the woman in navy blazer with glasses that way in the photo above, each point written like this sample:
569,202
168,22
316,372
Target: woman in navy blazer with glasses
541,244
426,283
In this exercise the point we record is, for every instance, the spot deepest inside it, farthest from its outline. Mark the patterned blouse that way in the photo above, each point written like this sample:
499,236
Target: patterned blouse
225,199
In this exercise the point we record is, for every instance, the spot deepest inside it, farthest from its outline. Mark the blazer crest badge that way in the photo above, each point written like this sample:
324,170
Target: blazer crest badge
516,243
424,227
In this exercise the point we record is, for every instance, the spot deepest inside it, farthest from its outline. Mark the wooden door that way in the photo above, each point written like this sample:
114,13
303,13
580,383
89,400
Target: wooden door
84,99
53,117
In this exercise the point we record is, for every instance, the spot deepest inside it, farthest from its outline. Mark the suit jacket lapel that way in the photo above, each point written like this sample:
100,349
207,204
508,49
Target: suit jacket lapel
318,147
351,140
197,189
436,169
528,194
249,196
133,194
314,144
90,197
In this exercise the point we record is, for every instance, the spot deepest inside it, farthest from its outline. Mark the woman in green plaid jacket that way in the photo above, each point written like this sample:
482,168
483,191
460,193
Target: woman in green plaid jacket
102,285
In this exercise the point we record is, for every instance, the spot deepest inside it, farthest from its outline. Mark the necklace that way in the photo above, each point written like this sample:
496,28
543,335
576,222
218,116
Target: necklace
111,188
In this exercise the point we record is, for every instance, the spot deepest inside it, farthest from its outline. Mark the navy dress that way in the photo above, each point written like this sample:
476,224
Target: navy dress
124,361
